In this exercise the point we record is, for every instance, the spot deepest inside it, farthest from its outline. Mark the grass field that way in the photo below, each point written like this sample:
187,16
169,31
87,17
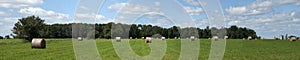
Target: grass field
62,49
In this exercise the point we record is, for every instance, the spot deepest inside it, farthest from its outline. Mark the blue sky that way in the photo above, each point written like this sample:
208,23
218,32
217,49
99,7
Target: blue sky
268,18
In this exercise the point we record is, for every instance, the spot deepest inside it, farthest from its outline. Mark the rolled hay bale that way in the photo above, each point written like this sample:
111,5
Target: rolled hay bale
187,38
143,37
163,38
225,37
130,37
175,37
148,40
276,38
118,39
192,38
244,38
249,38
293,39
38,43
80,38
215,38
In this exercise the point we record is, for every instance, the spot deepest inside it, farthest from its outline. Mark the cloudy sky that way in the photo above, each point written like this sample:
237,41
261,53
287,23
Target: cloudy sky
267,17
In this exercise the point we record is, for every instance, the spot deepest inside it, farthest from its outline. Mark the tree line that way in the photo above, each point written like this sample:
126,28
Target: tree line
34,27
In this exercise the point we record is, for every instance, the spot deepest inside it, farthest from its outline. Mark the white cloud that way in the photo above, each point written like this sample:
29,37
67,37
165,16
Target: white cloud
19,3
151,14
50,16
89,16
259,7
126,8
7,24
193,10
84,8
244,10
236,10
280,23
157,3
3,13
192,2
92,18
10,20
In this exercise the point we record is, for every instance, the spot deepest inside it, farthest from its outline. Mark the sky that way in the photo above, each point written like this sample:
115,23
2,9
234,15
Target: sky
268,18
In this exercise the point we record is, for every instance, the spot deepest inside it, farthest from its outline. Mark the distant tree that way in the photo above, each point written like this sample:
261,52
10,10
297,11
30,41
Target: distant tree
28,27
107,30
7,37
134,31
1,37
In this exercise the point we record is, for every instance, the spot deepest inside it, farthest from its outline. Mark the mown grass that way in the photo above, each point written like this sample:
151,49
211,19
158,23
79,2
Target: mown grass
236,49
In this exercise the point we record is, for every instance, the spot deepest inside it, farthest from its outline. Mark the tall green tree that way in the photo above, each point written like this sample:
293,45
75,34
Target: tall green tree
28,27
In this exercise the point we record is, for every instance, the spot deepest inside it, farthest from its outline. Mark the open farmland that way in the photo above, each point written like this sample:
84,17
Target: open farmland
236,49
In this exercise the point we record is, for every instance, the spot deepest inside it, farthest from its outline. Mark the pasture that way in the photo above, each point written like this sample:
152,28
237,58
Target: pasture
236,49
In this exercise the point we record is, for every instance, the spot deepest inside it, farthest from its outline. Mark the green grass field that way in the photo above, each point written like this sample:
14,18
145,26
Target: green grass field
62,49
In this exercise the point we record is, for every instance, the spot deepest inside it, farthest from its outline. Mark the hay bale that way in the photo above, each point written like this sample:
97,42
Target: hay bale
249,38
118,39
225,37
148,40
276,38
293,39
163,38
38,43
192,38
175,37
215,38
80,38
130,37
143,37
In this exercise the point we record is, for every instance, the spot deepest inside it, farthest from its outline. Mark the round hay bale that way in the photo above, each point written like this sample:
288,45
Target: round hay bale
163,38
38,43
80,38
118,39
276,38
225,37
293,39
148,39
192,38
249,38
215,38
143,37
